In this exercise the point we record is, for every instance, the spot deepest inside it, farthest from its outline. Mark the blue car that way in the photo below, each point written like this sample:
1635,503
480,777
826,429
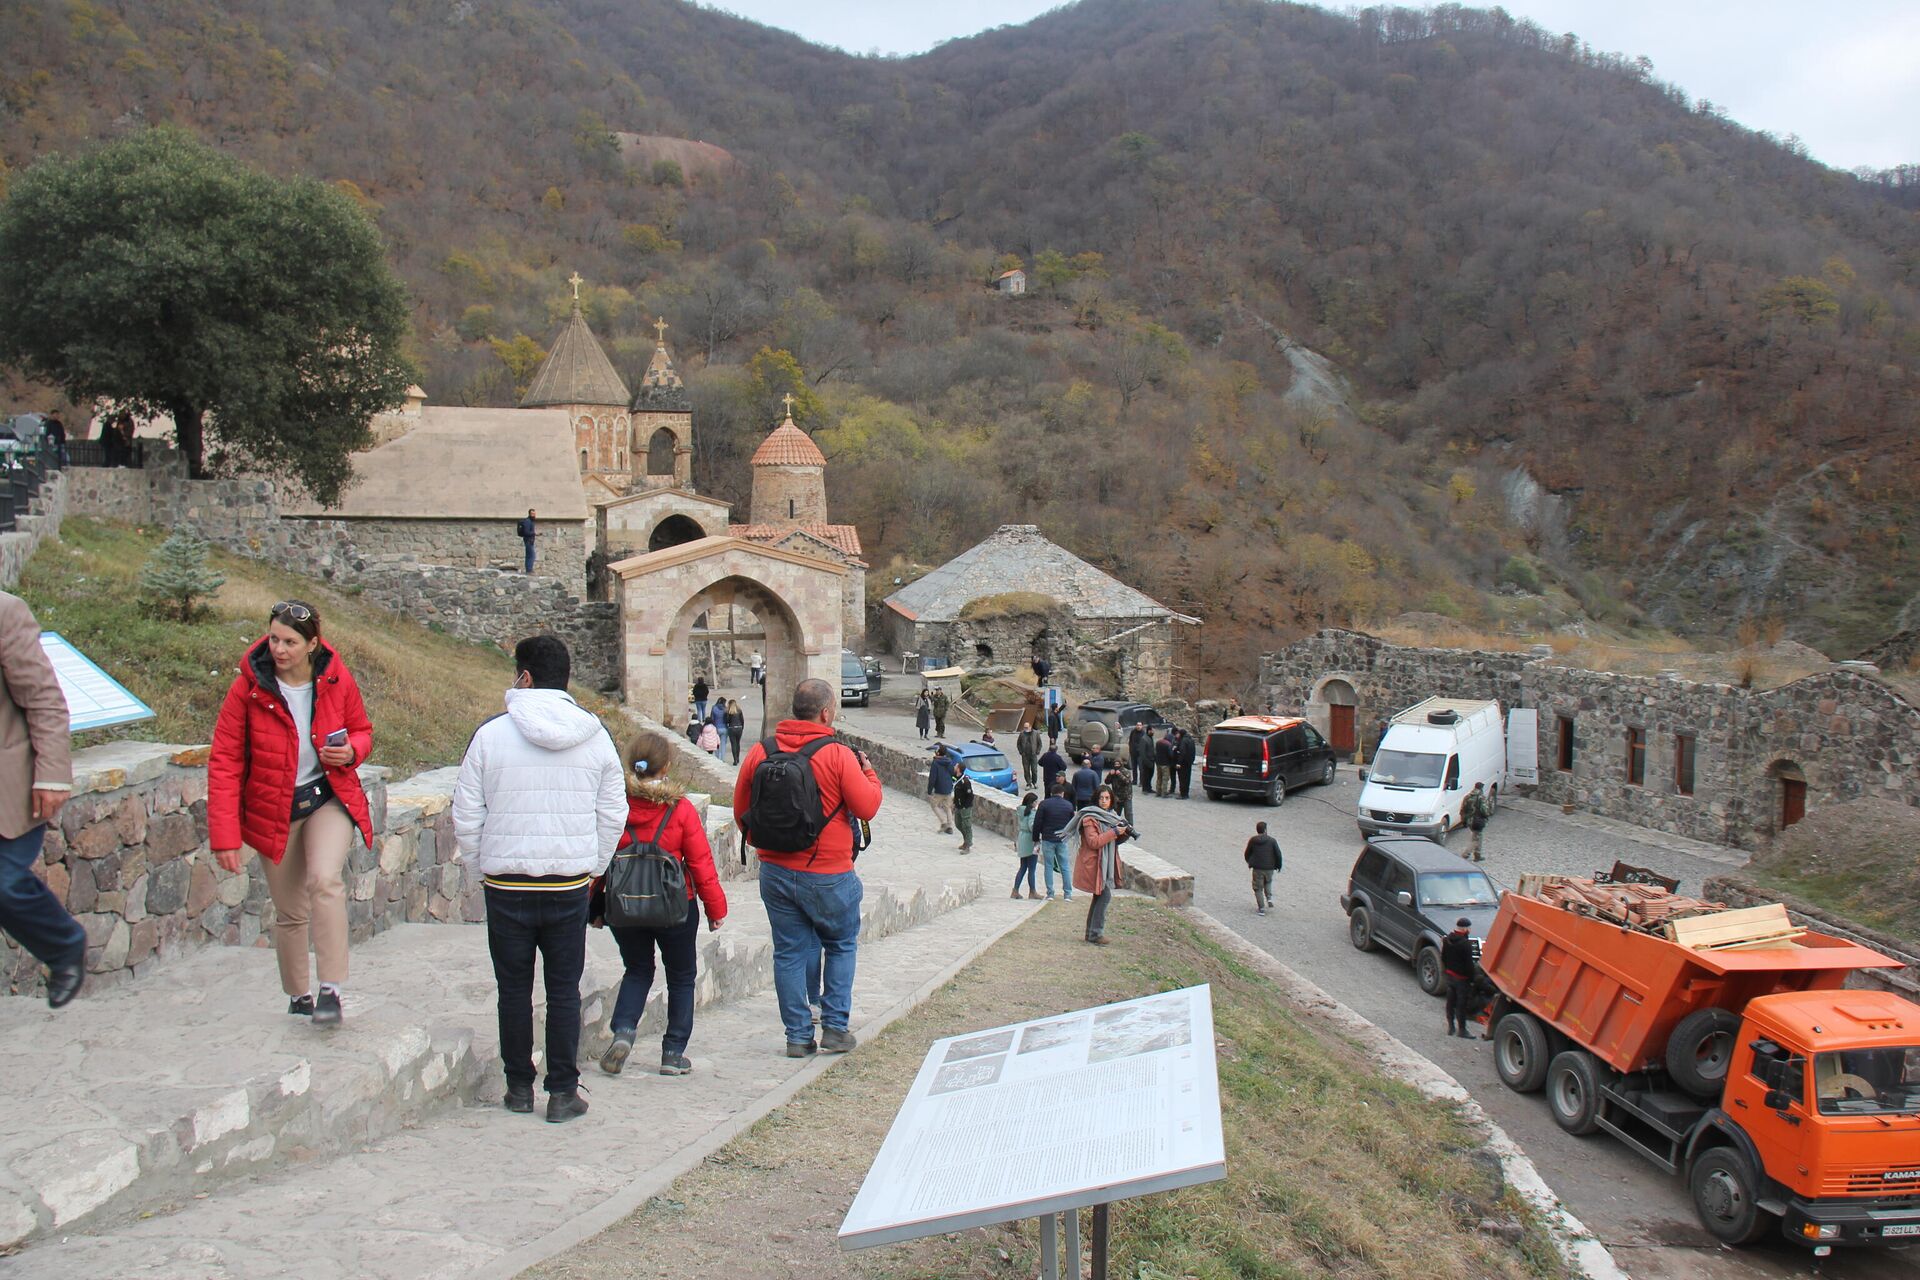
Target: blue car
986,765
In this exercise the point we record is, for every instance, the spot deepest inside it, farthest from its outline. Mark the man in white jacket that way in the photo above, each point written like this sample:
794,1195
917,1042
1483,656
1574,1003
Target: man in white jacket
538,808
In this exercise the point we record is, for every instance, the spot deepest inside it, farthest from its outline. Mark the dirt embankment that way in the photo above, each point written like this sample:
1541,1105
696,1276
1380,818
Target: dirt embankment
1856,860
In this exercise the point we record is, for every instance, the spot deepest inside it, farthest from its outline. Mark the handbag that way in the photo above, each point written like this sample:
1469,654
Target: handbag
308,798
646,884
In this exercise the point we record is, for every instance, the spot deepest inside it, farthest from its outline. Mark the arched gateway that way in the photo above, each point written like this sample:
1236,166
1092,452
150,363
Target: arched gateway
661,594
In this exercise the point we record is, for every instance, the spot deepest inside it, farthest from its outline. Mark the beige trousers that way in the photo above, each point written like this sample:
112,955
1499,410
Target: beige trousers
309,893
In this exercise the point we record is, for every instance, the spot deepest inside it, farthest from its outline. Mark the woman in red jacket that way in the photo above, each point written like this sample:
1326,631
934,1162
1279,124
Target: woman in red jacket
281,779
657,811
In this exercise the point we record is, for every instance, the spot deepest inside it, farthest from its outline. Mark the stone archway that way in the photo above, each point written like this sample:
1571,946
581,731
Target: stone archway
794,599
1334,709
673,531
660,450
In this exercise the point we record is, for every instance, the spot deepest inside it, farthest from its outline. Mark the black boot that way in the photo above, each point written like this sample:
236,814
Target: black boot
65,980
562,1107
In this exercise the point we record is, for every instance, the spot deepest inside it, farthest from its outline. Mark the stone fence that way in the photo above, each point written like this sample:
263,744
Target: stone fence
128,857
379,559
29,527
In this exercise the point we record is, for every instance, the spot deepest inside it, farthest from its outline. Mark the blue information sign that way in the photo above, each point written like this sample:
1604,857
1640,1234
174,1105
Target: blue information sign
94,698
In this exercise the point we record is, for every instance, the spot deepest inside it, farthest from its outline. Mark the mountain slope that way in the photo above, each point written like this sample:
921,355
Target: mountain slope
1570,318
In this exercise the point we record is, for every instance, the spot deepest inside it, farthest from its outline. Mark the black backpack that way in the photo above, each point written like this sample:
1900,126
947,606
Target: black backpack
647,885
784,814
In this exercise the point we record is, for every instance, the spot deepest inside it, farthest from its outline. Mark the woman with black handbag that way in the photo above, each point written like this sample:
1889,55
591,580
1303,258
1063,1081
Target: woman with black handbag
658,815
281,778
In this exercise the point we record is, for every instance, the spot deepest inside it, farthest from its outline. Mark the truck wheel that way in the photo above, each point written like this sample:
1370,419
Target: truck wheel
1700,1049
1724,1197
1426,967
1573,1091
1520,1052
1360,929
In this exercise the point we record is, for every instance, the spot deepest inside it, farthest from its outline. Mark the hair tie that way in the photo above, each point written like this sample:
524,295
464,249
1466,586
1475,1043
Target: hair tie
640,766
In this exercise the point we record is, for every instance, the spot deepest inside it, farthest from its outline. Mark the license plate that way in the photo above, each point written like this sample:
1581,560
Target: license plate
849,693
1902,1229
1233,768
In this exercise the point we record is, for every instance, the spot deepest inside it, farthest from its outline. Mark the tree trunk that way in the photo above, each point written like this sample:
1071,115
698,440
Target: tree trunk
189,433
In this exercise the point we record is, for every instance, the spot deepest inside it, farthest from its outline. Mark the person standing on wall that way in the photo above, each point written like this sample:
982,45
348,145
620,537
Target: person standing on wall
538,807
1476,809
527,533
940,776
656,806
1096,866
1183,756
1456,965
803,827
1263,859
963,805
1052,821
282,778
36,778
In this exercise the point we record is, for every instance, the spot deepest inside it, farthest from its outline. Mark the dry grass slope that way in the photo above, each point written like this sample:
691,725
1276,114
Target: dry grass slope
1854,859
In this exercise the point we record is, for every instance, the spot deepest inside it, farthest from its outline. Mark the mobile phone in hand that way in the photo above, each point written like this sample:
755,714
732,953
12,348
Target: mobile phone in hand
338,738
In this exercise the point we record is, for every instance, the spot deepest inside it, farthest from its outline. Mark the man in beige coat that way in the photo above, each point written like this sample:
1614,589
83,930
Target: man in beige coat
36,777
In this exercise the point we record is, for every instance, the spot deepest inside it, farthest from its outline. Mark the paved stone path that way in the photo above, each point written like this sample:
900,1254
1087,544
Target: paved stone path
373,1171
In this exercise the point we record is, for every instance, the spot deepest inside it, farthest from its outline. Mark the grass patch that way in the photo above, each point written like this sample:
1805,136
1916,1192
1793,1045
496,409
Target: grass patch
1855,860
424,691
1332,1168
1008,604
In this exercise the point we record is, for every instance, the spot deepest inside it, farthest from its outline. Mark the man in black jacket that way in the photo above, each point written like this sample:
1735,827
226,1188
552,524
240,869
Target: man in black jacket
1263,859
1456,962
1163,763
1183,755
1053,767
1052,826
1140,751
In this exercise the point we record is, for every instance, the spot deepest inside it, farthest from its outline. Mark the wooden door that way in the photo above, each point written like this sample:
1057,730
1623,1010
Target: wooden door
1793,801
1340,729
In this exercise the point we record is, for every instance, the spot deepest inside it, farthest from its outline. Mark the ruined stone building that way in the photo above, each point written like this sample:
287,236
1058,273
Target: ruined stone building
1017,596
1712,761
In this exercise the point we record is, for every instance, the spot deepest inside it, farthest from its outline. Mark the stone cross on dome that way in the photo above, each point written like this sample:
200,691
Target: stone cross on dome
787,399
660,328
576,282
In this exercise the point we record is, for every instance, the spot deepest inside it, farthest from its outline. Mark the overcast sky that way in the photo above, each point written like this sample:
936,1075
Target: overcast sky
1843,74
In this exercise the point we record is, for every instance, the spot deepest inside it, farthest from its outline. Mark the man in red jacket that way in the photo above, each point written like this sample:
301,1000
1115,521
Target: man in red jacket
812,895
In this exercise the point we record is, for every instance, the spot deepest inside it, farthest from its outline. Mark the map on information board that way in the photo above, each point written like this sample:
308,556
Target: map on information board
1058,1113
94,698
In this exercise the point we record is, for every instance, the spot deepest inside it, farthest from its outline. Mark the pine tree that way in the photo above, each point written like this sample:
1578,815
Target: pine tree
177,577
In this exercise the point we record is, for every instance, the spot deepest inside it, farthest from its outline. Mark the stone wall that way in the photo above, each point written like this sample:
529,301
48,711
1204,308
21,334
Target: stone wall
1139,664
42,520
473,544
128,856
381,559
1844,732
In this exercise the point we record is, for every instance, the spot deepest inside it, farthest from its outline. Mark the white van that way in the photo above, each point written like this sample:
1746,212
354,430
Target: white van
1431,756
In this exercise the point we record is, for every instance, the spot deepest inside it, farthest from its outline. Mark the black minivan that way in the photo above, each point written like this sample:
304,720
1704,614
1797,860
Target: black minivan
1264,756
1405,893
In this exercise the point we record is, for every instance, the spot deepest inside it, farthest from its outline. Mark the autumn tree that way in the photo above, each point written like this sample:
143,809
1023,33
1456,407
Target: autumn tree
258,313
773,374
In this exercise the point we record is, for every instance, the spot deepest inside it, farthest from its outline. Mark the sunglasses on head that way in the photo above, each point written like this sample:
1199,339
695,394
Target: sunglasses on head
292,609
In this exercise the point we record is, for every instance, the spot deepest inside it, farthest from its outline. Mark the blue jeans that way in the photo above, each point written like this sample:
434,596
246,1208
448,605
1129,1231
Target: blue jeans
521,923
1026,871
1053,857
811,913
680,956
529,542
28,909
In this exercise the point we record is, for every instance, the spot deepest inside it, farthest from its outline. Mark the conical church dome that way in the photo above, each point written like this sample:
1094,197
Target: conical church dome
576,371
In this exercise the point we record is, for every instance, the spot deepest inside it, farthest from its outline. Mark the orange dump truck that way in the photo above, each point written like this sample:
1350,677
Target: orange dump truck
1787,1101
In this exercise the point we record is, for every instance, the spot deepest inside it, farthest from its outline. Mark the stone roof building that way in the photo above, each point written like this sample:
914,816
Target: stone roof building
788,509
662,423
1018,596
577,377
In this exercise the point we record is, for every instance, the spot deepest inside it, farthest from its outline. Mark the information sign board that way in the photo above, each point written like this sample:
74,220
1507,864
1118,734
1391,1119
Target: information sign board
1057,1113
94,698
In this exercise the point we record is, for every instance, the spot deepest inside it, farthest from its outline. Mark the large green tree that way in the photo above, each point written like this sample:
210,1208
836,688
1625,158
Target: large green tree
259,313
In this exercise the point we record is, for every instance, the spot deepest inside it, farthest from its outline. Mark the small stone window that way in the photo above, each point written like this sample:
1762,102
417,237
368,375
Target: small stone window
983,651
1683,763
1566,743
1636,757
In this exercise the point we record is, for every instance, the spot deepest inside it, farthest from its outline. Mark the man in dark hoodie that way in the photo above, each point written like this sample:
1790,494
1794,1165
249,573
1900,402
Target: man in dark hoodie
1263,859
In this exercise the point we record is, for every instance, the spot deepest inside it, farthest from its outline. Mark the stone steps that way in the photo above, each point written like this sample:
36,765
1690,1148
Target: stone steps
167,1087
474,1193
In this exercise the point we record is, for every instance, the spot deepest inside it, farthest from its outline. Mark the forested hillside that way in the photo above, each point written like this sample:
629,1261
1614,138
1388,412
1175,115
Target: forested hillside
1331,317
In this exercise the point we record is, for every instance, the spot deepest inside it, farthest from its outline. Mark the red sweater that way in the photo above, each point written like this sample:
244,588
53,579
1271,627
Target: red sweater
846,787
686,840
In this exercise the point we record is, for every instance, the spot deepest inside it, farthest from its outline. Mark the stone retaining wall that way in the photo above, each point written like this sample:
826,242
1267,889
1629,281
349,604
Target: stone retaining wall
128,857
383,559
1841,731
42,521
